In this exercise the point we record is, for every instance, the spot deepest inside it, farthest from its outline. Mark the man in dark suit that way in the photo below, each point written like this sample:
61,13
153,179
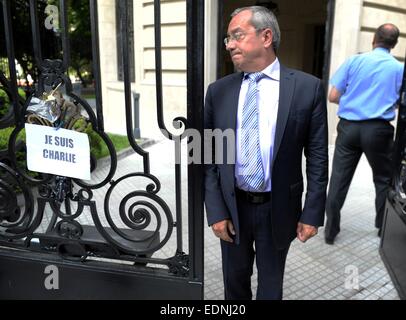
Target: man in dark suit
255,205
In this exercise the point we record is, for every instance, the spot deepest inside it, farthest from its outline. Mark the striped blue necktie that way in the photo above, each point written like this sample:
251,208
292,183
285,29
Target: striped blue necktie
253,172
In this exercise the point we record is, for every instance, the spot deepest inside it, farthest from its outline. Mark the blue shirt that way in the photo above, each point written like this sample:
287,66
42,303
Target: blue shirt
369,84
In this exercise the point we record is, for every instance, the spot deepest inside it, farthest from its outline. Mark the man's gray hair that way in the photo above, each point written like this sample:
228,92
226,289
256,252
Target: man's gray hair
263,18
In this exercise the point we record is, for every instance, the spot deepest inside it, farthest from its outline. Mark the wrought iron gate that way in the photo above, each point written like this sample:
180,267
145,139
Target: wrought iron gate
104,259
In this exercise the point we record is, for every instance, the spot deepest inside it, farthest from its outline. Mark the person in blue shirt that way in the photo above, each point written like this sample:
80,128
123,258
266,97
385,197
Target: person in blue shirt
366,88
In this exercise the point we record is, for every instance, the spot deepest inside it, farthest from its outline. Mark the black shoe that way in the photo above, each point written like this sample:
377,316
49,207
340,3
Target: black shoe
329,240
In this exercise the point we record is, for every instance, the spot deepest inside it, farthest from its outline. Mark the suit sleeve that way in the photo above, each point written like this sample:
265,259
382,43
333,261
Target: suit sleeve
216,208
316,153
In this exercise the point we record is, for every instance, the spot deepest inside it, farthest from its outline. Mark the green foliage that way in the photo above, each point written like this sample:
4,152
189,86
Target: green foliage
21,22
98,147
51,45
4,139
3,103
94,139
21,155
119,142
5,100
80,37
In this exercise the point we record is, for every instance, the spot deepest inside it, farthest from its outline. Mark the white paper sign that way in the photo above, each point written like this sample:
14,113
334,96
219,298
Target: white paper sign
60,152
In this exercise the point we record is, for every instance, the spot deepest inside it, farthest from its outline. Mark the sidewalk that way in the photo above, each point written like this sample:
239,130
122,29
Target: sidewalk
317,271
313,270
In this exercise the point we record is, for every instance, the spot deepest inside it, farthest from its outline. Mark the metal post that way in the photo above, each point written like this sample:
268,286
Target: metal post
195,101
136,114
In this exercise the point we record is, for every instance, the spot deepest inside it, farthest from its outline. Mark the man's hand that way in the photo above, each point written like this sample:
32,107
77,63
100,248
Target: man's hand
223,229
305,231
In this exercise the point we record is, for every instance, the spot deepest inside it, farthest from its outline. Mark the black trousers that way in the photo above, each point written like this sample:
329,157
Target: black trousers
255,241
375,139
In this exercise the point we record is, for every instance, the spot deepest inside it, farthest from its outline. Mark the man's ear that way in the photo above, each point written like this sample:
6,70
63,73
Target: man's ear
268,38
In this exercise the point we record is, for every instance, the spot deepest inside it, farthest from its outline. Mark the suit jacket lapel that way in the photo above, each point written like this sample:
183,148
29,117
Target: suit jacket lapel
233,93
286,89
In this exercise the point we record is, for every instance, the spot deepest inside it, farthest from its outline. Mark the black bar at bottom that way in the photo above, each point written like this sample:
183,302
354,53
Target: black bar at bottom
24,275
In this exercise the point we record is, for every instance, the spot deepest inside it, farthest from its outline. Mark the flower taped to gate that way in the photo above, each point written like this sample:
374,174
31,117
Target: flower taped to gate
60,152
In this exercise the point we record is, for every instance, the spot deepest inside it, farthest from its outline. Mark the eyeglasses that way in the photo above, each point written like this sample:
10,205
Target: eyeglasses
237,36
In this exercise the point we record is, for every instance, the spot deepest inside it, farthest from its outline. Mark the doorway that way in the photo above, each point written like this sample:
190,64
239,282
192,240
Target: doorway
306,28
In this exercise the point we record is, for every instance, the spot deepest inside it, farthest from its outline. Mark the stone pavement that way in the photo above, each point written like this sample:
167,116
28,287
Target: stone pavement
314,270
317,271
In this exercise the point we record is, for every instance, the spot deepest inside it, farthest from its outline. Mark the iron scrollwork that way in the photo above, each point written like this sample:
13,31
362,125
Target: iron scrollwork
139,226
17,218
139,216
65,234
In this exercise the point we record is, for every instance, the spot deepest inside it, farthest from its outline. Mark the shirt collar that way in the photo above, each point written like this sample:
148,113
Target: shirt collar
380,49
272,71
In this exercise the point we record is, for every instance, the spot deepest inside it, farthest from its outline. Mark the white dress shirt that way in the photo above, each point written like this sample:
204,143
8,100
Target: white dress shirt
268,90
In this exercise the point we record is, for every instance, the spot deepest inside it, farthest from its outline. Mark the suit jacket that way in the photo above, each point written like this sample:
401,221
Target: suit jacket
301,126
